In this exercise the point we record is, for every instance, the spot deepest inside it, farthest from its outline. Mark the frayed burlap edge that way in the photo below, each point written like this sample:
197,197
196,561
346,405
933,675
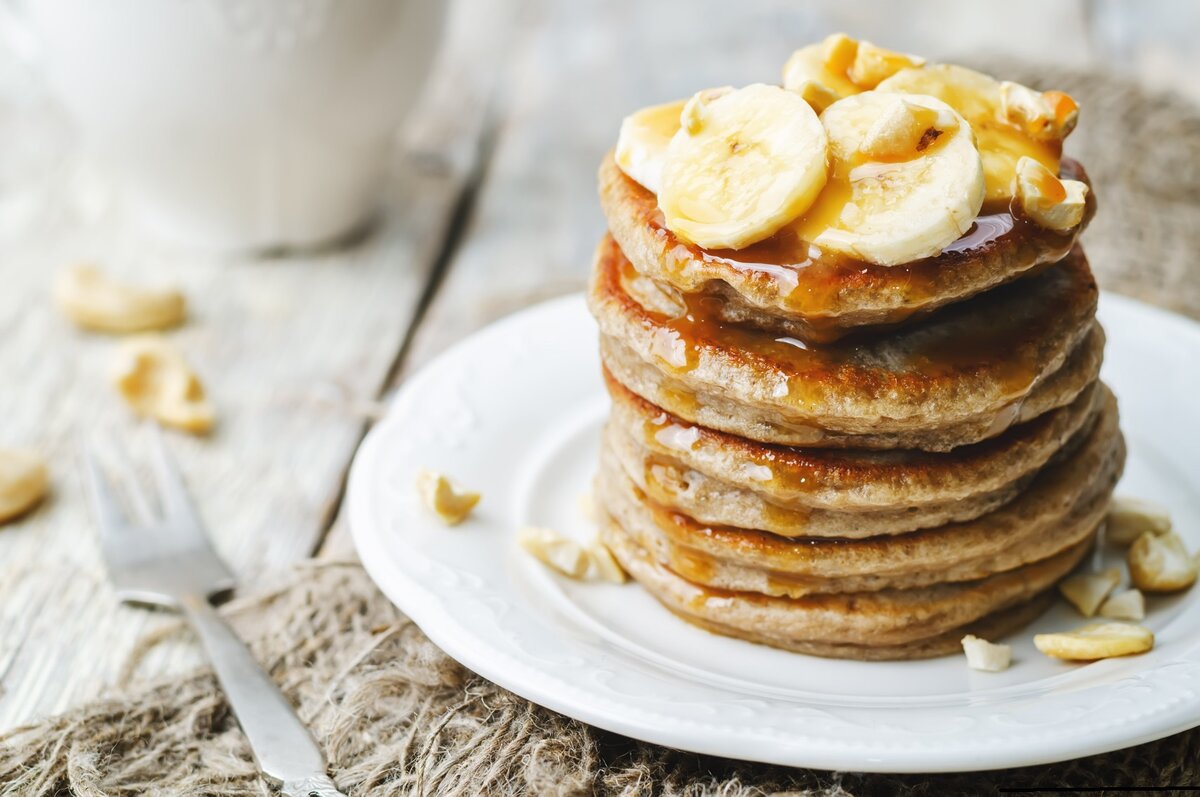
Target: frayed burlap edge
396,716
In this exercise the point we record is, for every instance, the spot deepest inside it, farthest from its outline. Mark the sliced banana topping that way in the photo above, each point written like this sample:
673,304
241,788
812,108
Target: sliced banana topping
1129,518
1096,641
873,64
95,301
1086,591
1161,563
23,482
445,497
642,143
753,160
157,382
817,95
1045,116
1051,203
986,656
977,98
907,179
555,551
828,63
1127,605
844,66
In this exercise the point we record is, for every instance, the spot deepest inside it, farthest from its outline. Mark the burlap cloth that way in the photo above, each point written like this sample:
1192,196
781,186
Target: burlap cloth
397,716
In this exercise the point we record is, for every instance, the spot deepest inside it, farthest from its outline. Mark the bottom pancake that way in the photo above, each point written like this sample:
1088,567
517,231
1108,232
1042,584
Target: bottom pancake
992,627
888,619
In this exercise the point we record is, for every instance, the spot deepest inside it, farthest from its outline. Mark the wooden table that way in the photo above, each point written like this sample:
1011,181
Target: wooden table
492,207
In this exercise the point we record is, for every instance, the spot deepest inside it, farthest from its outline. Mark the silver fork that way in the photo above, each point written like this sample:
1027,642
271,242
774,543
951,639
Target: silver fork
164,558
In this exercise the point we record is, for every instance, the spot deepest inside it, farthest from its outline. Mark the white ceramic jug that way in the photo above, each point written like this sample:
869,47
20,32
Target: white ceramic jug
237,124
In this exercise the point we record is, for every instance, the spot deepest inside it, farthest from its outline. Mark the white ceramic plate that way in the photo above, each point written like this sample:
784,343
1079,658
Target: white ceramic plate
516,411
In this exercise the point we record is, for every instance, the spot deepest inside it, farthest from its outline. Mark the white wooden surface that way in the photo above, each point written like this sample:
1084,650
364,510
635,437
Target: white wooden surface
295,350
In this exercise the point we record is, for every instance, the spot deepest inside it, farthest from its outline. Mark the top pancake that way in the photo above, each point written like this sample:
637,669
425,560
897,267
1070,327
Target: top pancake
785,285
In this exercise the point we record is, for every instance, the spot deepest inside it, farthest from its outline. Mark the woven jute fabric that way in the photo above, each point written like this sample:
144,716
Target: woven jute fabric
396,716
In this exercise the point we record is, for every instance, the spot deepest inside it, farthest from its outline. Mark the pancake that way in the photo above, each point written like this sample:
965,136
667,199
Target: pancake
1064,504
785,285
848,479
994,626
867,619
733,503
962,376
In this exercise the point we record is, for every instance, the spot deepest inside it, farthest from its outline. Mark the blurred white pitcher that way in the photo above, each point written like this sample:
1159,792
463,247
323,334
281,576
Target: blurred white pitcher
237,124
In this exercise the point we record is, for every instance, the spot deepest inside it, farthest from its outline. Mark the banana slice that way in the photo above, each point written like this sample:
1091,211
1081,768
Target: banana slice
746,163
1096,641
642,142
843,66
1005,130
907,179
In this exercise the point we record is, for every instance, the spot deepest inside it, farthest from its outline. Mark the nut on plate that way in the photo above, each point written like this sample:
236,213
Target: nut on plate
872,64
554,550
1086,591
1127,605
1161,563
604,565
157,382
1129,518
986,656
23,482
449,500
95,301
1096,641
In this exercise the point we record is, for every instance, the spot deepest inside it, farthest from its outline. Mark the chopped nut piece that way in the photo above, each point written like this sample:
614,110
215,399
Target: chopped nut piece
1128,518
551,548
817,95
873,64
986,656
904,128
1096,641
691,118
1048,116
1086,591
448,499
95,301
838,51
23,482
604,564
1127,605
1160,563
1051,203
156,382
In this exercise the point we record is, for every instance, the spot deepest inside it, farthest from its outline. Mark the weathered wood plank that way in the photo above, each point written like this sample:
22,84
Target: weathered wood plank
290,349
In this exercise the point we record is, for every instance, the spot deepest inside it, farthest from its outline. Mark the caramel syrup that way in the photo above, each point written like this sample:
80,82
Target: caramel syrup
997,337
807,279
778,468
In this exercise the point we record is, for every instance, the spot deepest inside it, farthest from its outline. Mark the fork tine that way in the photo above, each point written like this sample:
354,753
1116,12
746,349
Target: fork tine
177,503
121,469
109,516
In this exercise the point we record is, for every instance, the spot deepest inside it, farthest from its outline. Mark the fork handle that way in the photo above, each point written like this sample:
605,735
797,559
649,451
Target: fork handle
282,745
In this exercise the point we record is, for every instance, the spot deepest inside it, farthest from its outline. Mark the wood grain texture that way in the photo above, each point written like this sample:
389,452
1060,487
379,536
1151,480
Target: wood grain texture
291,351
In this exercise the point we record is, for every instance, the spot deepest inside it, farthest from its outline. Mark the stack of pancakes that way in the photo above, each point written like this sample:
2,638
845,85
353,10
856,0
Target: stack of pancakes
844,459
